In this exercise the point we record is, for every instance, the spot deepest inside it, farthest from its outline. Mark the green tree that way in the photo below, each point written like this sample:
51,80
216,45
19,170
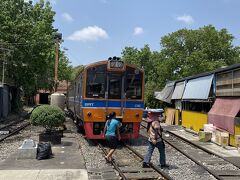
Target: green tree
27,30
76,71
188,52
183,53
65,70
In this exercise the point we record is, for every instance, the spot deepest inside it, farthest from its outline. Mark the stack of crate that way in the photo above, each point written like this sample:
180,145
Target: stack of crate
222,138
204,136
218,136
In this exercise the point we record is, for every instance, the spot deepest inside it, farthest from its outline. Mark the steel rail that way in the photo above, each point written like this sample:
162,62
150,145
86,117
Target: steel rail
166,176
10,124
194,160
15,131
113,163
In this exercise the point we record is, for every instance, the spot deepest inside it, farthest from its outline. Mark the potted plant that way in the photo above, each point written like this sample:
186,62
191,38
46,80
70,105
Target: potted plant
51,118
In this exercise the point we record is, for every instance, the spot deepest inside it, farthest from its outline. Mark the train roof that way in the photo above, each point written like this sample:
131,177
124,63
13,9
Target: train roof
106,61
103,62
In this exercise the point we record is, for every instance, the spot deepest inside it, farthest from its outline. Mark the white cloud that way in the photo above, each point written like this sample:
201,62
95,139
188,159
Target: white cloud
187,19
67,17
90,33
137,31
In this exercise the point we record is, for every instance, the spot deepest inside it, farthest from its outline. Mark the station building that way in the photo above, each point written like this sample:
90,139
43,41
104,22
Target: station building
7,99
43,95
212,97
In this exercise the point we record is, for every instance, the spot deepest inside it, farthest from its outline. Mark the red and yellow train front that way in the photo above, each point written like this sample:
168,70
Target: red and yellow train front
112,86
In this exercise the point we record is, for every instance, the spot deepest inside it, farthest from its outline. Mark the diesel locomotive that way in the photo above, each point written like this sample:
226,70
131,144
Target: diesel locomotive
104,87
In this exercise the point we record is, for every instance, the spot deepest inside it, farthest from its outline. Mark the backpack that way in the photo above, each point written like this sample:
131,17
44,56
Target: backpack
158,132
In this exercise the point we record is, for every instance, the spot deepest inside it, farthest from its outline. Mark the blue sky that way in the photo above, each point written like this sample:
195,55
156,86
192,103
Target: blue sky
97,29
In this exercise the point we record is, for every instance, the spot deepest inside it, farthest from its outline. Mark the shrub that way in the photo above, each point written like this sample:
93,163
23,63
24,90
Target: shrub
47,116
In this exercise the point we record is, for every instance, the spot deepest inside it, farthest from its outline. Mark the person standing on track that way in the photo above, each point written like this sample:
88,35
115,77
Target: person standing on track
112,134
155,140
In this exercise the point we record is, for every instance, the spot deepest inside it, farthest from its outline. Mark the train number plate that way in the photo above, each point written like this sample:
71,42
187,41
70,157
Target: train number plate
4,132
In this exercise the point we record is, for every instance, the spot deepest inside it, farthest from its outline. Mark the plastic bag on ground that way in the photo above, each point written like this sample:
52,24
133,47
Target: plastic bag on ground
44,151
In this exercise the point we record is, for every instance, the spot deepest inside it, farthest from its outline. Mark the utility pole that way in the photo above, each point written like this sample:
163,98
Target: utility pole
58,38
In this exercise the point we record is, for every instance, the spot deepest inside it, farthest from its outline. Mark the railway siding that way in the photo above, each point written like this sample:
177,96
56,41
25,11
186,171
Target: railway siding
216,163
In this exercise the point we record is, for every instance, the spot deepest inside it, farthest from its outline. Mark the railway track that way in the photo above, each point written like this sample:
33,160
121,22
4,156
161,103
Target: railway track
12,128
3,126
215,165
128,163
204,149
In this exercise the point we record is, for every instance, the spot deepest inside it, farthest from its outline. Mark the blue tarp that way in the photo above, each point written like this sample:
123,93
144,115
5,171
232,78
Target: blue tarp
155,110
198,88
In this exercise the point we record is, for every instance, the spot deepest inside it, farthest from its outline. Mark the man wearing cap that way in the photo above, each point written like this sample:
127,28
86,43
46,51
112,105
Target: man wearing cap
155,140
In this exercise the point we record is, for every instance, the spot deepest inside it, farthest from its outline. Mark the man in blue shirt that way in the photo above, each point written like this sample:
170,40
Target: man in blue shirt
112,134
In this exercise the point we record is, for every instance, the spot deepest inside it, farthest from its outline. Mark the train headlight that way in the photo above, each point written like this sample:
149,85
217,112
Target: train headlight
137,115
89,114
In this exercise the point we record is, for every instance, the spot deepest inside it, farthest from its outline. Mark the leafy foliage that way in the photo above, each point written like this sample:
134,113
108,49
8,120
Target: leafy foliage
65,70
188,52
183,53
27,32
76,71
48,116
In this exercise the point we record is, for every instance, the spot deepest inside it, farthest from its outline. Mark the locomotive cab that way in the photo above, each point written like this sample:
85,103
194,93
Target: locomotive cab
110,86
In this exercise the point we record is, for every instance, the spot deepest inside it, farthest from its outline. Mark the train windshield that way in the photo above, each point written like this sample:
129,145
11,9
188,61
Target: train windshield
96,81
115,86
133,87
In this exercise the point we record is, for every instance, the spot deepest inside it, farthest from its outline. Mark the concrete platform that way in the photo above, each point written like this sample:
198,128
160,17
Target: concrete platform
66,164
50,174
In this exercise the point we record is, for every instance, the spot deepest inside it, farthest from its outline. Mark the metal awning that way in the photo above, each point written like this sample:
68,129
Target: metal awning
223,113
178,91
198,88
166,94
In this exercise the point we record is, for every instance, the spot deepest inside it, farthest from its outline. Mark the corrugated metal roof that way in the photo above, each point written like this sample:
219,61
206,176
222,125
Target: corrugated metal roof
178,91
223,113
219,70
198,88
166,94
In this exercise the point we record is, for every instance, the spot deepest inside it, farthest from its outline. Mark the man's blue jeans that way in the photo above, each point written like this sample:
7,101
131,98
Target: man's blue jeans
161,148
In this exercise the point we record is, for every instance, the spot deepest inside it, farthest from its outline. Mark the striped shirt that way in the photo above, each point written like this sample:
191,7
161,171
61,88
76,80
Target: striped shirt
154,131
